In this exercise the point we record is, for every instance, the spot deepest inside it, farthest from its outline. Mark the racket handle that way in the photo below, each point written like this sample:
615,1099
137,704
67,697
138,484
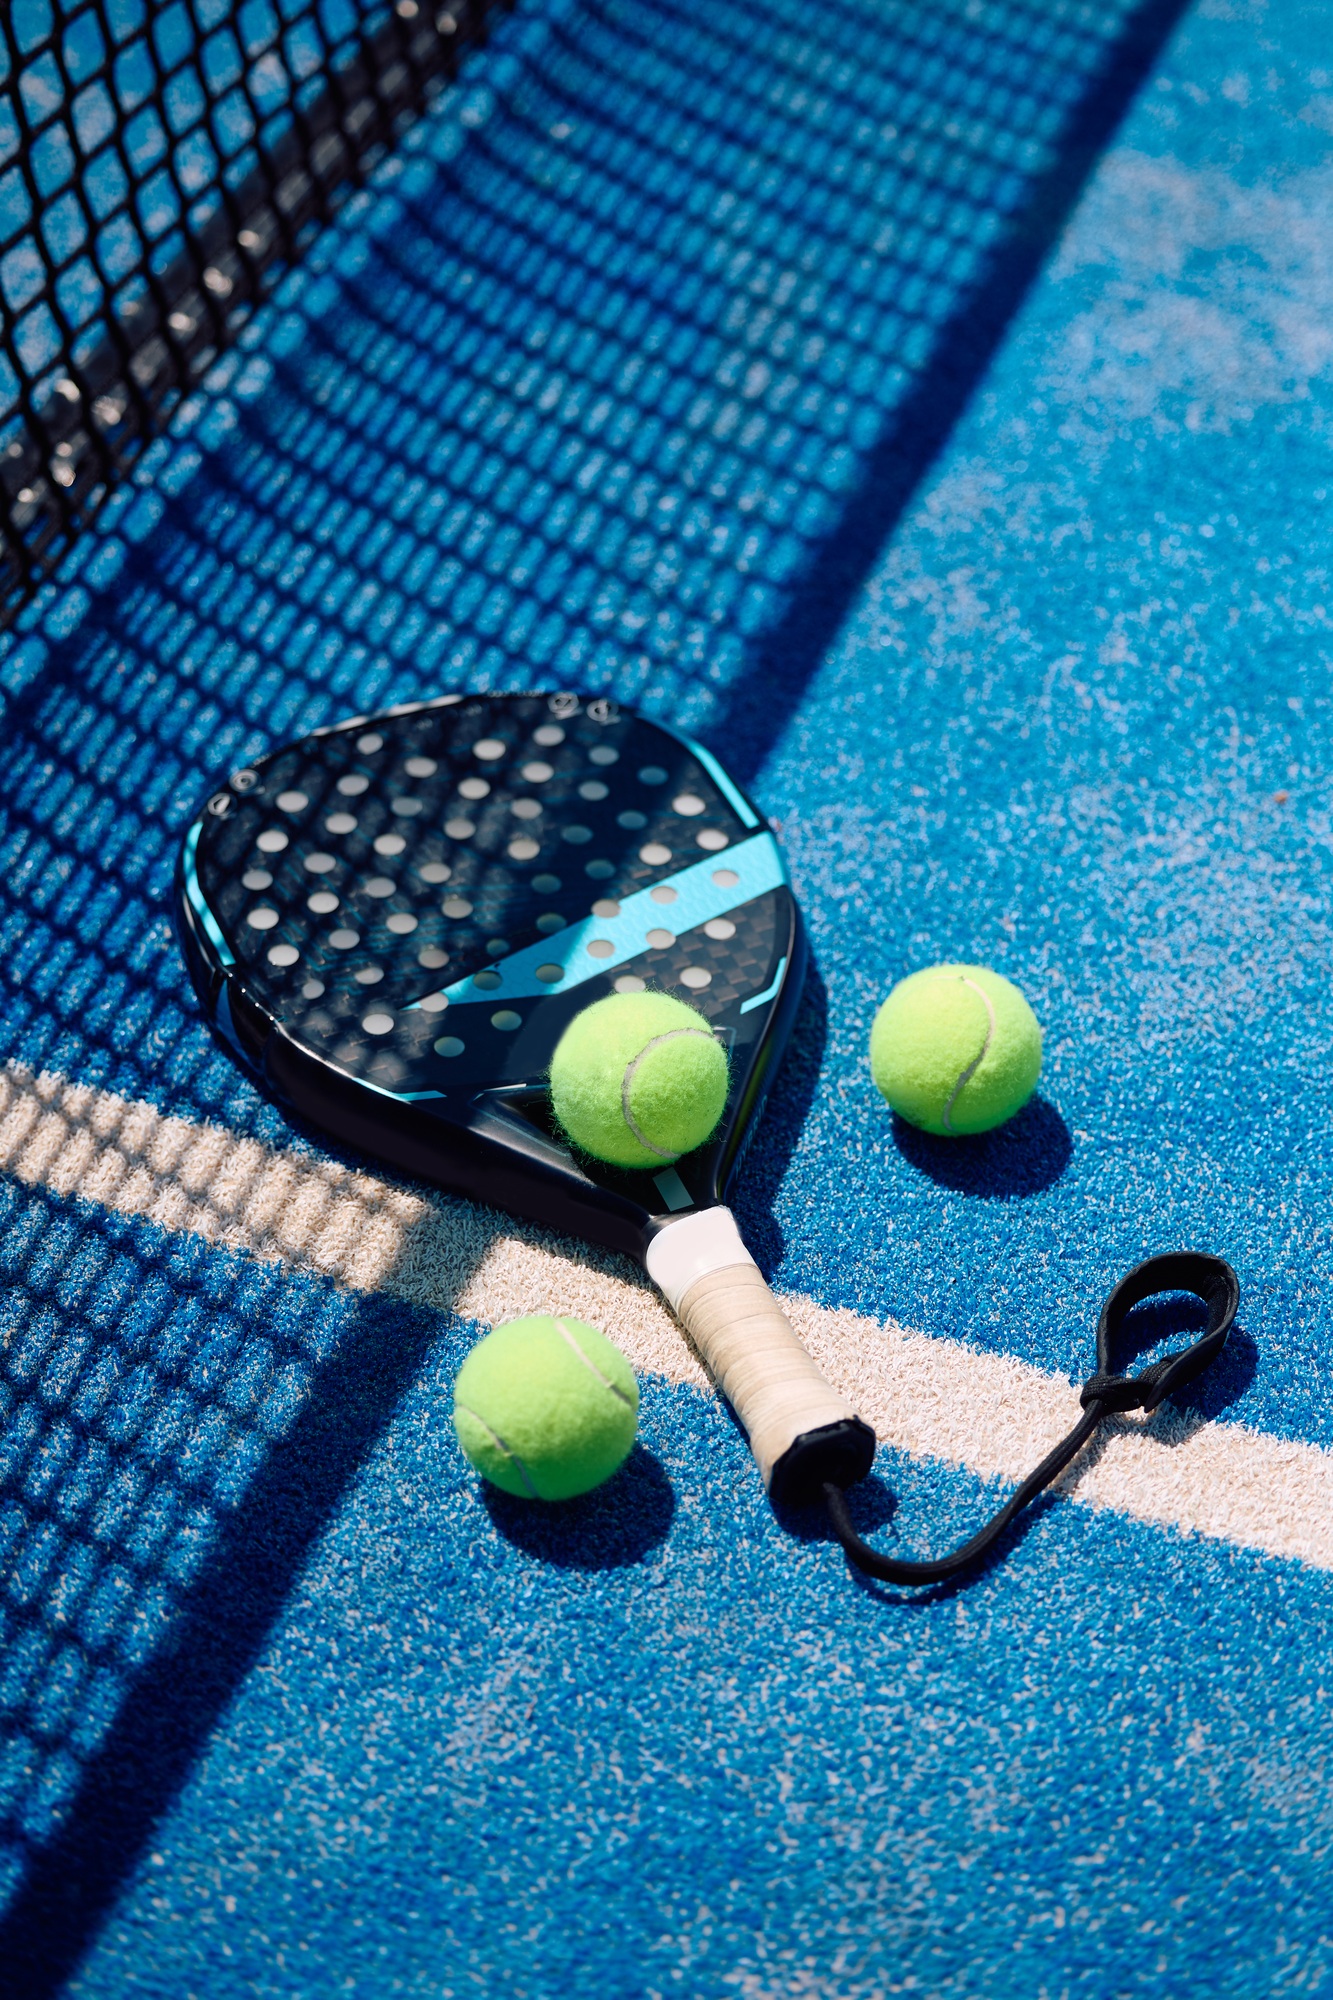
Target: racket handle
802,1432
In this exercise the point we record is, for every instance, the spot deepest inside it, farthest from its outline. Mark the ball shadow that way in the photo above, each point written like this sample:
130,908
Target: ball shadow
612,1528
1020,1158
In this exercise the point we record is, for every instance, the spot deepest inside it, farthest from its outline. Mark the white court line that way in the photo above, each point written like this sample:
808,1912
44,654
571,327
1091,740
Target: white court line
931,1398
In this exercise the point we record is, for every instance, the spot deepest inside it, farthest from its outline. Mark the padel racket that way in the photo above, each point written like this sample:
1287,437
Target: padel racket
392,922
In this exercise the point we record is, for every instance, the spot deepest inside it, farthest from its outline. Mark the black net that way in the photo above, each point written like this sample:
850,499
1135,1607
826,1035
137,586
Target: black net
158,160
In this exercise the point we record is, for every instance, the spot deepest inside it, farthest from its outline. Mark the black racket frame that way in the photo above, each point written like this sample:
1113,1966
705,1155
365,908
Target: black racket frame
498,1145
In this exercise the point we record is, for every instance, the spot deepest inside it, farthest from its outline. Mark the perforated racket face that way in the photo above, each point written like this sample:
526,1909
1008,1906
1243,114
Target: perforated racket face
395,919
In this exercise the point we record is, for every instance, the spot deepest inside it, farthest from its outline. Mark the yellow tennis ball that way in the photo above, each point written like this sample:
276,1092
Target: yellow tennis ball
955,1049
638,1079
546,1408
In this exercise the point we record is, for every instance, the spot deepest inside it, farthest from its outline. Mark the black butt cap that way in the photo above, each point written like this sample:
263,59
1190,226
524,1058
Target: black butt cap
834,1455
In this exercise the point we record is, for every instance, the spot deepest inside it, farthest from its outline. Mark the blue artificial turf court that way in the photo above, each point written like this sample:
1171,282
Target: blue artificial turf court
929,407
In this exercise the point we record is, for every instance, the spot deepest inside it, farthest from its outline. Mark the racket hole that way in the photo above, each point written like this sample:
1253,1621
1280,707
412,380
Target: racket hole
263,919
312,989
379,886
456,906
524,850
368,975
659,940
688,804
388,844
592,789
628,982
434,1003
632,820
546,885
603,754
421,767
600,871
401,924
369,743
695,977
548,735
550,920
405,808
663,894
320,864
489,749
606,906
272,841
529,808
497,947
256,878
432,958
377,1024
537,772
550,975
352,784
344,940
283,954
655,854
486,982
435,871
459,829
601,948
448,1045
712,840
577,836
291,802
726,878
474,788
341,822
719,928
652,774
323,902
506,1020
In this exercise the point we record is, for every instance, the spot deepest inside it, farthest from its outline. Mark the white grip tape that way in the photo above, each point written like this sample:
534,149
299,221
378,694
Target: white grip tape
744,1337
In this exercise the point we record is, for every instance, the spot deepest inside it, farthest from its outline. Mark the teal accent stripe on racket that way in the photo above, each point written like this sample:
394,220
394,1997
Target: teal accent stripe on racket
707,889
195,896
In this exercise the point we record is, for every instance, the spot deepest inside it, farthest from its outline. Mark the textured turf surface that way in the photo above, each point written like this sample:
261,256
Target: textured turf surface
641,371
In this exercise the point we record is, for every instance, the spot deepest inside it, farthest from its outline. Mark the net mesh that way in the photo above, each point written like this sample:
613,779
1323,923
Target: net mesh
157,163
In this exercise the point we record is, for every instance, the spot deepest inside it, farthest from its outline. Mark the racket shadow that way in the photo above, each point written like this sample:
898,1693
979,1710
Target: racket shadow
781,1123
875,1508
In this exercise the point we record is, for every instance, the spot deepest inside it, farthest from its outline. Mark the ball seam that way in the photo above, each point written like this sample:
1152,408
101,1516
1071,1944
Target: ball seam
591,1365
500,1445
671,1035
977,1059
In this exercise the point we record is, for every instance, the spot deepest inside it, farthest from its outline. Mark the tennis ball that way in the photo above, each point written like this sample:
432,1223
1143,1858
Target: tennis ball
955,1049
546,1408
638,1079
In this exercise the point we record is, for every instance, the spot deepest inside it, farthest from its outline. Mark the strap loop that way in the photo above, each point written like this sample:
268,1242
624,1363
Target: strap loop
1106,1392
1113,1392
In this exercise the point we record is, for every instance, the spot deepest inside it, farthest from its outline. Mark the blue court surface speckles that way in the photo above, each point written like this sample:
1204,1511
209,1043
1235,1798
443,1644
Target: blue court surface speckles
933,413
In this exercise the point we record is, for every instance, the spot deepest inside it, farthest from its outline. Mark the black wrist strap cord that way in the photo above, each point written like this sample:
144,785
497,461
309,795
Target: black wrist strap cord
1208,1278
